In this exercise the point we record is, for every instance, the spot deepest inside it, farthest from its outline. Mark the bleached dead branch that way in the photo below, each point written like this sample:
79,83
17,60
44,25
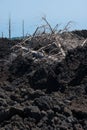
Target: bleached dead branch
85,41
52,31
59,44
68,25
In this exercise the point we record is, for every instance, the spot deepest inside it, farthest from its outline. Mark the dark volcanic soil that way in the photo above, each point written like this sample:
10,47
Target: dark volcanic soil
43,96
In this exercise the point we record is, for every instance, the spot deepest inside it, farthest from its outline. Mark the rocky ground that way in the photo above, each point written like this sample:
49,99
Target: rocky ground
40,94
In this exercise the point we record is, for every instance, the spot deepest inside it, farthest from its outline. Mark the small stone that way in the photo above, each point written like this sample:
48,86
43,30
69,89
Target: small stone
50,113
78,127
56,108
43,113
32,111
71,119
55,120
44,102
67,112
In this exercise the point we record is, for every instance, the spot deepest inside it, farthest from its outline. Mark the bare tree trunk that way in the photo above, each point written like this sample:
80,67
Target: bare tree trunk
2,34
9,27
23,28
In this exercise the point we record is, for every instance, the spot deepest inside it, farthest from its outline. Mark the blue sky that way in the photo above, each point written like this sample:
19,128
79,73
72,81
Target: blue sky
56,11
